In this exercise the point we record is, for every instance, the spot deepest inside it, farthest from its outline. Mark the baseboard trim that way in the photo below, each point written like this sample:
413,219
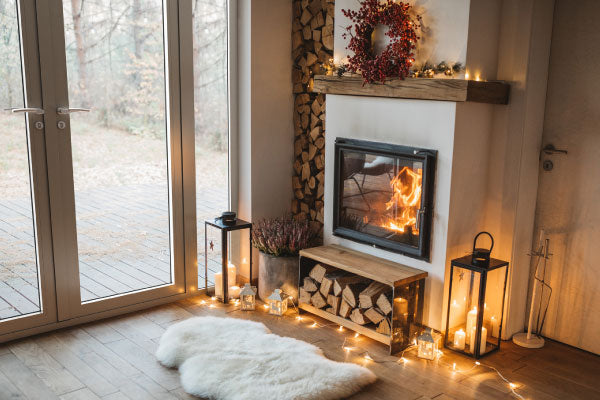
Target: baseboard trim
7,337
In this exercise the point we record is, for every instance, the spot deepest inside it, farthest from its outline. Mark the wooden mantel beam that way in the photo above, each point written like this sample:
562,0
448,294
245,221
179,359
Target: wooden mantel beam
459,90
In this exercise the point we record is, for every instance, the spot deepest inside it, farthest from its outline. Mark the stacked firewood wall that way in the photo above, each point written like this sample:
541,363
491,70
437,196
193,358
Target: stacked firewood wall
312,50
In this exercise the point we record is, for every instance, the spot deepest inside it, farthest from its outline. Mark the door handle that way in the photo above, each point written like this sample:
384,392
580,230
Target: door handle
32,110
67,110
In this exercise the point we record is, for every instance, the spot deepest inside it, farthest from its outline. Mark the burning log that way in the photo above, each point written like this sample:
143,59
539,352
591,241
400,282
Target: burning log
384,302
374,315
358,316
369,296
310,285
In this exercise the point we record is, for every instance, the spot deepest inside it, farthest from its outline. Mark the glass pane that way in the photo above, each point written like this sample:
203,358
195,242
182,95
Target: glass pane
381,196
211,115
115,66
19,286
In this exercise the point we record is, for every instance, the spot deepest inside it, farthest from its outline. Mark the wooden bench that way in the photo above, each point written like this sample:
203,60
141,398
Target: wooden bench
406,283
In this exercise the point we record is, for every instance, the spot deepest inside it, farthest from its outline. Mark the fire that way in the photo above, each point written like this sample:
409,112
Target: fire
405,201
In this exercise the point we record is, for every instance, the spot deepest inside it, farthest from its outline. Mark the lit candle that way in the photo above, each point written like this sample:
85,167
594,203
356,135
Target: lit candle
219,284
459,339
234,292
495,327
471,321
483,340
231,275
402,305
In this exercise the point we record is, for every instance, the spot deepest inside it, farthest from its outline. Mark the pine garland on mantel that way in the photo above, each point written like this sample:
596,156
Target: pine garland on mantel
312,53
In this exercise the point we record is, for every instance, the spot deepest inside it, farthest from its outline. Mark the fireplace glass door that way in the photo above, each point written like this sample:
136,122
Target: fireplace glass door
381,195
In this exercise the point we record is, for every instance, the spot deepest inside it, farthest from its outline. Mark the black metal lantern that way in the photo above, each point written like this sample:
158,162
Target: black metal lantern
476,302
226,223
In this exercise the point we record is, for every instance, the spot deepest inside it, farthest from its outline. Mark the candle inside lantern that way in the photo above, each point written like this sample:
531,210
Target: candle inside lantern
219,284
495,327
483,340
234,292
231,275
471,322
402,305
459,339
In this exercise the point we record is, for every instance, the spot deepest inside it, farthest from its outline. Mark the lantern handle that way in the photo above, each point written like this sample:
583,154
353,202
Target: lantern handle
479,234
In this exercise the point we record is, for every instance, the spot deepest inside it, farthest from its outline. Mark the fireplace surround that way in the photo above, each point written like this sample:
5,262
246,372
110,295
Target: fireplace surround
383,195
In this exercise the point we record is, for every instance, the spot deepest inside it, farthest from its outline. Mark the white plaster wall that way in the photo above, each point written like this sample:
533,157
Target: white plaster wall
265,106
427,124
486,175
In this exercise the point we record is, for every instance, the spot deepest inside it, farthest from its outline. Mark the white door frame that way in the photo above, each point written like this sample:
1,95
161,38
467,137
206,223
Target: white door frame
32,88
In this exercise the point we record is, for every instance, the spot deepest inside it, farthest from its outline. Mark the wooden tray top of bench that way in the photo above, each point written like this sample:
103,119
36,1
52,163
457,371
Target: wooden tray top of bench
375,268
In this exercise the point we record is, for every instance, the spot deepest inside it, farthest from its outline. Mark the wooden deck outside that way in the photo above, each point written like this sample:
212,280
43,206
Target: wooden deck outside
123,239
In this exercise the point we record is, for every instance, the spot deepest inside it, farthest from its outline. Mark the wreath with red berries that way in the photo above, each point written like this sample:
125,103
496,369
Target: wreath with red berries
398,56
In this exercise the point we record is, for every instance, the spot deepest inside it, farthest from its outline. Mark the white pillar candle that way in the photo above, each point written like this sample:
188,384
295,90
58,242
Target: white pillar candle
219,284
471,322
459,339
495,327
231,275
234,292
483,340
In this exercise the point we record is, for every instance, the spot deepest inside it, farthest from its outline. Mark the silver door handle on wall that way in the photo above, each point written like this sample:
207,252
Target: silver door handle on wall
67,110
32,110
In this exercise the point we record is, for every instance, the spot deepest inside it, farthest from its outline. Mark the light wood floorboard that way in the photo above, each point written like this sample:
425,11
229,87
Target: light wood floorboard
114,360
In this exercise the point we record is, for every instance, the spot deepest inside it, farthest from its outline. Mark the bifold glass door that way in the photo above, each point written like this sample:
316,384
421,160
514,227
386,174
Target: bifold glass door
27,296
91,175
117,99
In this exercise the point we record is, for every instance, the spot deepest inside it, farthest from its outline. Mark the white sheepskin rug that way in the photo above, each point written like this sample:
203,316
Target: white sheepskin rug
227,359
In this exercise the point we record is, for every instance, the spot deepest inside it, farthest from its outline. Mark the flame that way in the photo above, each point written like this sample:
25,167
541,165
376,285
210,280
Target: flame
405,200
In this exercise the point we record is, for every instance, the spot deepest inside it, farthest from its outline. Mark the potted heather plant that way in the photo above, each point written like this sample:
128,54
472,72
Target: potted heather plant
279,240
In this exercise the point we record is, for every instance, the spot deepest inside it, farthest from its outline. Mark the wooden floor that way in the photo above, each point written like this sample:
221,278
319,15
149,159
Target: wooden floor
123,244
113,360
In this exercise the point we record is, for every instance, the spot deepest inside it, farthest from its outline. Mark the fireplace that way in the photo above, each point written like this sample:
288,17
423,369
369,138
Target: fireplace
383,195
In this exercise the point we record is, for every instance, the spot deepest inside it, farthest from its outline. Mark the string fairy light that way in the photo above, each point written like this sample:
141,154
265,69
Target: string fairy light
366,357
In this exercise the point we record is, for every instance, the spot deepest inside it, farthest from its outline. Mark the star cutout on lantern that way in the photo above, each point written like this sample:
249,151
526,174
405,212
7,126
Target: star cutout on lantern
461,276
212,245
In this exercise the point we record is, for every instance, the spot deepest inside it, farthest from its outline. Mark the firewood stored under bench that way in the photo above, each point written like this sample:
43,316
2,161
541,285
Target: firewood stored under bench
405,284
